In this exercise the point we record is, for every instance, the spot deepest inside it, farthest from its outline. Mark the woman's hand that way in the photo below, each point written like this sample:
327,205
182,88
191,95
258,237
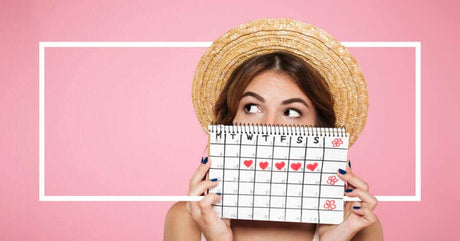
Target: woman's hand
357,215
212,227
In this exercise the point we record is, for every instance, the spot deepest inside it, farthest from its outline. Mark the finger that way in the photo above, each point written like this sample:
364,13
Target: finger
367,199
348,167
208,214
206,203
200,172
353,180
366,213
201,187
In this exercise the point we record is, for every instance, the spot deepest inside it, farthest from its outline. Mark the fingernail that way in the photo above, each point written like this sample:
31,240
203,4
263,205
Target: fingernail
343,172
213,180
218,193
349,163
349,190
356,207
204,160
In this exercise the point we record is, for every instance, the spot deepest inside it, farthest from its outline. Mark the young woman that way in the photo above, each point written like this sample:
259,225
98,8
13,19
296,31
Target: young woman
274,83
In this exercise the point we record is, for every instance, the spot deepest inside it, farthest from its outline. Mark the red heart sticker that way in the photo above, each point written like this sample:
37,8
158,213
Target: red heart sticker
279,165
263,165
248,163
312,167
296,166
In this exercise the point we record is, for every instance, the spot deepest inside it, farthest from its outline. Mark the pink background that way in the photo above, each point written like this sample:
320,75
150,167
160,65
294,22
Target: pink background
119,121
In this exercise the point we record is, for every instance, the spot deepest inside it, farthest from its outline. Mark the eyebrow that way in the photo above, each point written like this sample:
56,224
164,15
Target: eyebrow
285,102
294,100
250,93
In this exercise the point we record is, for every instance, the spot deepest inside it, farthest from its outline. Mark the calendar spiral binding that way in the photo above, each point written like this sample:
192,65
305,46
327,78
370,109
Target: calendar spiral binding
267,129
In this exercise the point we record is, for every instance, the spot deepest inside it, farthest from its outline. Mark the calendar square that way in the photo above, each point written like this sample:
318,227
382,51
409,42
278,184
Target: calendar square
217,150
247,163
281,152
293,215
312,178
333,167
278,189
217,162
229,212
230,188
246,188
277,214
264,152
311,191
231,175
247,176
310,216
245,200
245,213
297,153
294,190
279,177
232,150
262,188
232,162
332,191
310,203
263,164
277,202
294,202
263,176
261,213
230,200
295,177
315,153
262,201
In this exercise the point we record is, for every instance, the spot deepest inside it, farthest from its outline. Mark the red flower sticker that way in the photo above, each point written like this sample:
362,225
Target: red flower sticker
337,142
330,205
331,180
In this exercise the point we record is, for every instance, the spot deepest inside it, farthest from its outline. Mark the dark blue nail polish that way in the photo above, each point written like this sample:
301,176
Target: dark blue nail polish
349,163
343,172
205,160
356,207
218,193
213,180
349,190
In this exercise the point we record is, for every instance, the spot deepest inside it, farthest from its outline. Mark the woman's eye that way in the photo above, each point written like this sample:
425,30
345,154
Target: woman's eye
292,113
251,108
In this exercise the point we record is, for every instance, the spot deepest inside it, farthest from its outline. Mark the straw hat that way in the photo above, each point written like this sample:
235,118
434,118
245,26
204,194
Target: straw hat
313,45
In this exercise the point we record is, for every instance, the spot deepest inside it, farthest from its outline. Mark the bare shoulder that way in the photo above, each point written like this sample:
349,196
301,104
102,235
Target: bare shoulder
179,225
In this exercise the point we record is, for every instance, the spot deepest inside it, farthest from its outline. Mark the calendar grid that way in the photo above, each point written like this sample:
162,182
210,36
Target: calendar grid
278,177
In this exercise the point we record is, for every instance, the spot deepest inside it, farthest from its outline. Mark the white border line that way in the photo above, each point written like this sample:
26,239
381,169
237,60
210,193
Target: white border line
41,109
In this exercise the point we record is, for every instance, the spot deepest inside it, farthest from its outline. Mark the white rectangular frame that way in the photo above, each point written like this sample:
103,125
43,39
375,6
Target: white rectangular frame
41,142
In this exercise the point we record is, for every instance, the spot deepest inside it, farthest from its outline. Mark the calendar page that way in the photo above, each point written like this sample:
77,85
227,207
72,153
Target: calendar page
278,173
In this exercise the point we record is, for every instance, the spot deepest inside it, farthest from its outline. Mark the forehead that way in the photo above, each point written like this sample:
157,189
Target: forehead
275,84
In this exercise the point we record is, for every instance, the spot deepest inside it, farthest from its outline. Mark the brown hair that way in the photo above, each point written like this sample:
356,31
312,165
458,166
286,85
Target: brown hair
307,78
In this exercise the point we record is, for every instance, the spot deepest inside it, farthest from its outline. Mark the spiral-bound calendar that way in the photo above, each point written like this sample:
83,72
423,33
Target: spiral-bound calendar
278,173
